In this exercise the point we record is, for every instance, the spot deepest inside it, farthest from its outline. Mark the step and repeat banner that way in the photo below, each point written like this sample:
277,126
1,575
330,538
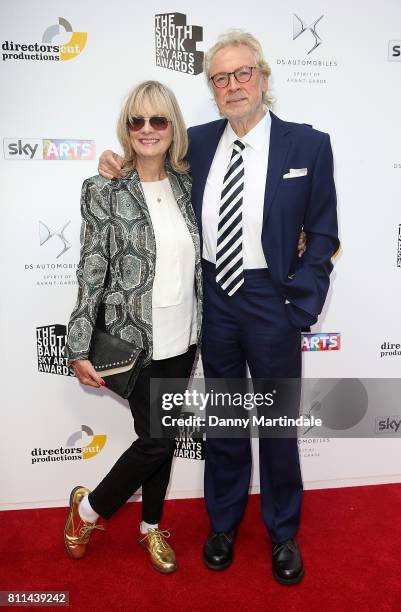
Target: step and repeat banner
65,69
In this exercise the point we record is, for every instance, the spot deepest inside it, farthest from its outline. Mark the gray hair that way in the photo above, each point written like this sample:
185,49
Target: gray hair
234,38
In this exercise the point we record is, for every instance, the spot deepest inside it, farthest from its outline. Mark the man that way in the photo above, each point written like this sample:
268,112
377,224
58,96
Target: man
257,181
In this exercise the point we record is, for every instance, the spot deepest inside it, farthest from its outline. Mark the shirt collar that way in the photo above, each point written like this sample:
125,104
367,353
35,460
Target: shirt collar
256,138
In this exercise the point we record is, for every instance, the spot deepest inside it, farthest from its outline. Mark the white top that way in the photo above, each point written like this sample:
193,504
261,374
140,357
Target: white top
173,296
255,156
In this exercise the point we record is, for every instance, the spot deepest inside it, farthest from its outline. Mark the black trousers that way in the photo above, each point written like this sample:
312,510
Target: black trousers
147,462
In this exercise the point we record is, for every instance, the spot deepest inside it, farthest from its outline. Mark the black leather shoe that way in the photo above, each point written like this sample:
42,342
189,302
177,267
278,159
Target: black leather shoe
218,550
288,567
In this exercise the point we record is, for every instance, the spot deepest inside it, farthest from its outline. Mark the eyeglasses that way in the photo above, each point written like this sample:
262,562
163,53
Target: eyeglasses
242,75
157,122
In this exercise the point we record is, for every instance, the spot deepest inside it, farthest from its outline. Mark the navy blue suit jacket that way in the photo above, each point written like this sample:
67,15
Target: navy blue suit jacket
306,202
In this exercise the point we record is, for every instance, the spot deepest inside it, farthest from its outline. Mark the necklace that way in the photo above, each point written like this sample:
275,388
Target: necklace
156,194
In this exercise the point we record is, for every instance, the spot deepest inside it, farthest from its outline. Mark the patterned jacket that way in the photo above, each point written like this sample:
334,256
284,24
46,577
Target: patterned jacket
118,260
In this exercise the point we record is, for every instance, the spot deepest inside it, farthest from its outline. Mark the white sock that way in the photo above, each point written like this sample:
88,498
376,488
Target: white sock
144,526
86,512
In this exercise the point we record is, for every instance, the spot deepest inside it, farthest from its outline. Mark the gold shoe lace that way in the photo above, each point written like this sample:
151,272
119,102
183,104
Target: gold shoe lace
88,528
156,538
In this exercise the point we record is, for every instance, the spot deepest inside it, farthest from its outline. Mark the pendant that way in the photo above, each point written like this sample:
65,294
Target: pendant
159,199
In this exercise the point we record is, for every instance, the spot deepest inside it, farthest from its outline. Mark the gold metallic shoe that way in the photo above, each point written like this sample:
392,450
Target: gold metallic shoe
161,554
76,531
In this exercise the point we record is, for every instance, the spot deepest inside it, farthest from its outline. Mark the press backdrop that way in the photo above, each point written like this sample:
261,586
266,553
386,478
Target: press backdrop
65,69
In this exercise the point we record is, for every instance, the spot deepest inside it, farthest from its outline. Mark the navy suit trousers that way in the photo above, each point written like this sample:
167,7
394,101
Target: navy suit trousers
251,327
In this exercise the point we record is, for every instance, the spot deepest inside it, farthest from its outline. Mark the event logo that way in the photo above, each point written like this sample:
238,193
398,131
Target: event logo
390,349
50,266
312,447
176,43
89,445
59,43
45,234
386,425
394,50
189,443
299,27
57,149
399,247
311,68
50,344
340,404
321,342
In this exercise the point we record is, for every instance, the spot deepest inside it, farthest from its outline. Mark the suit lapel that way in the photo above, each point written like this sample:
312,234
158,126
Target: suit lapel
132,182
202,161
278,151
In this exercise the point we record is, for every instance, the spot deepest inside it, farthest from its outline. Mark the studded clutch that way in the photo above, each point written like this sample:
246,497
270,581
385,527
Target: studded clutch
117,361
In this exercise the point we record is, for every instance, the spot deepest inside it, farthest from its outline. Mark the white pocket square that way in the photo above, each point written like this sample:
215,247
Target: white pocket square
295,172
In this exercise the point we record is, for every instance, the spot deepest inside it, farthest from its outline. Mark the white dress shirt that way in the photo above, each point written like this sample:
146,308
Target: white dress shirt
255,156
173,295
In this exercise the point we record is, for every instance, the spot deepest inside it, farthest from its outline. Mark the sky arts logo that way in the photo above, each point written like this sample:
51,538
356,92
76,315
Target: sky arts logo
81,445
54,149
176,43
50,344
59,43
386,425
394,50
321,342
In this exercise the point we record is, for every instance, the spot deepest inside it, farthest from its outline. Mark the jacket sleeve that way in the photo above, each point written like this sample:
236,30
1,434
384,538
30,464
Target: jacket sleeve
308,288
92,269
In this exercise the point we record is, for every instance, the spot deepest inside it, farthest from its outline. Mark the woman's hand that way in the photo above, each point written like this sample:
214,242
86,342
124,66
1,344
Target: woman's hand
110,164
86,373
301,244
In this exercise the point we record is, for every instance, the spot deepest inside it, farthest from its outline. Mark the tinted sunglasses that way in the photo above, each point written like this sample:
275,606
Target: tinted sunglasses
156,122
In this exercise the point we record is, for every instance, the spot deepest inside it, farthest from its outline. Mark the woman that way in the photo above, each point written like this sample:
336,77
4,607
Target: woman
140,273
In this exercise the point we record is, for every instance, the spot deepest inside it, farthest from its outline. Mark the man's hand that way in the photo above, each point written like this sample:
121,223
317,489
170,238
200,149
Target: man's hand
301,244
86,373
110,165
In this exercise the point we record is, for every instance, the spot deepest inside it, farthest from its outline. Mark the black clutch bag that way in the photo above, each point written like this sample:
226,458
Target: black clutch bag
117,361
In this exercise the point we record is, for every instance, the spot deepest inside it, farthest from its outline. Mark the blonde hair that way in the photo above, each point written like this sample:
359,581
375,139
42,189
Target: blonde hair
164,103
236,38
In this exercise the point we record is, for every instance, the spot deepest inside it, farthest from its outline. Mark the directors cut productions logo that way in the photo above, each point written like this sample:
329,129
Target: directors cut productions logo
176,43
50,344
321,342
82,444
59,43
53,149
390,349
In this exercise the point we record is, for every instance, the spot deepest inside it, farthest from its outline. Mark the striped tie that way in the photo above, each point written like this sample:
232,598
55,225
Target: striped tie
229,262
